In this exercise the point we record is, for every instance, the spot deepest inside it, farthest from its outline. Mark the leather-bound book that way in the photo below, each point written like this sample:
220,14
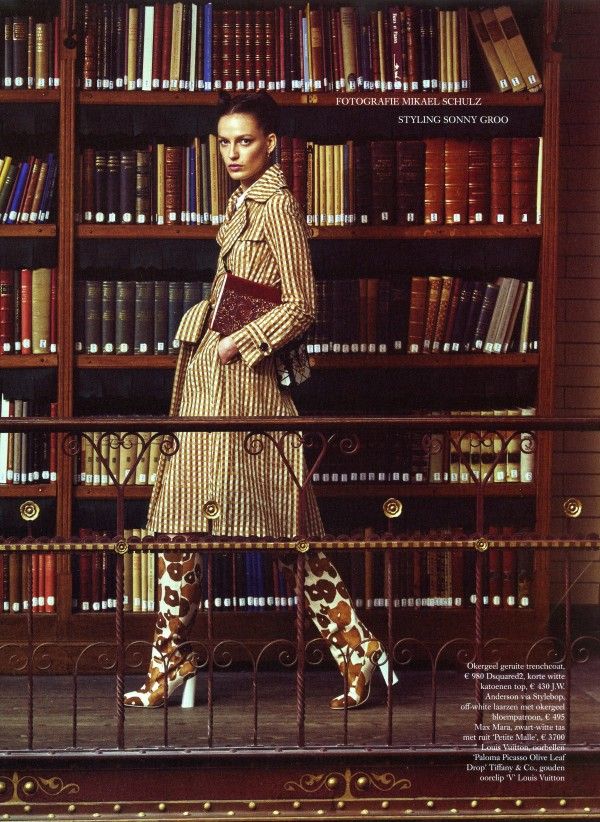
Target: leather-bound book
248,50
334,48
238,45
374,52
8,188
183,82
500,180
518,47
173,181
446,344
298,170
456,180
143,342
198,55
325,22
124,317
410,182
434,291
175,312
217,36
479,181
93,317
127,185
399,307
523,179
12,206
42,55
7,79
412,51
490,296
227,48
108,309
434,180
472,316
442,314
176,41
271,50
396,46
383,315
17,306
424,45
463,48
147,46
139,49
34,211
285,159
131,34
491,62
26,301
383,175
372,301
142,187
316,49
417,314
363,182
503,51
192,293
461,316
113,173
161,317
6,310
100,185
165,46
19,51
241,301
120,42
40,310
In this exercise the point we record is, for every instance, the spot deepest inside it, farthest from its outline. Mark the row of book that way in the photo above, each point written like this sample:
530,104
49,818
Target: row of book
28,305
442,314
121,454
30,51
447,314
29,457
27,189
435,181
488,455
191,46
127,317
17,573
256,580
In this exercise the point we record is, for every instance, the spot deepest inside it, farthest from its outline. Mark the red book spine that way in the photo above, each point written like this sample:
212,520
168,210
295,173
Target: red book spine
299,170
227,43
53,308
217,45
50,583
375,73
96,587
26,275
89,45
282,29
41,585
35,566
6,310
523,180
286,160
479,181
238,40
456,180
261,56
165,68
157,44
249,55
500,180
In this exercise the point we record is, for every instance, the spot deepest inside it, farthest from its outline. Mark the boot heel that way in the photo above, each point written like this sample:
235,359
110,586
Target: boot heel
188,697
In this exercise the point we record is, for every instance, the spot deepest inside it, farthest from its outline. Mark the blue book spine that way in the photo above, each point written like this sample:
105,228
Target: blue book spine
44,212
14,203
208,47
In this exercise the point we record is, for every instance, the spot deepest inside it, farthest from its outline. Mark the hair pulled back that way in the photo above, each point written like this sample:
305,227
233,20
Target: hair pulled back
259,104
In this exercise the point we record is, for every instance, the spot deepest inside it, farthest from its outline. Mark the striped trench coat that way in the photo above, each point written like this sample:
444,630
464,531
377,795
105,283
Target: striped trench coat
265,240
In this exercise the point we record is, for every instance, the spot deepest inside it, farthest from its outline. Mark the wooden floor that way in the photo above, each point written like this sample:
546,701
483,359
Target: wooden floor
233,713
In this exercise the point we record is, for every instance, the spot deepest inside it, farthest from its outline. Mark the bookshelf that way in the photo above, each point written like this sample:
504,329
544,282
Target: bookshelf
76,112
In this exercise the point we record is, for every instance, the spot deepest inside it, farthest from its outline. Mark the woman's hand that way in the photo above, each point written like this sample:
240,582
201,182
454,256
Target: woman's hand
227,350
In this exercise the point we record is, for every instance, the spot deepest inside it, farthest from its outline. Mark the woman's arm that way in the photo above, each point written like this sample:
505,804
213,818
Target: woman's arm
286,235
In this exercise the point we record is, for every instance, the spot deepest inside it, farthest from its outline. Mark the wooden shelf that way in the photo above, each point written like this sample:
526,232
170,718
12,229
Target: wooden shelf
51,95
29,490
354,361
28,360
349,489
125,361
326,99
28,230
360,232
329,361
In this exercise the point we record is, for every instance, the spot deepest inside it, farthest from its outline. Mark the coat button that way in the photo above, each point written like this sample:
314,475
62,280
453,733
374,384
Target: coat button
264,346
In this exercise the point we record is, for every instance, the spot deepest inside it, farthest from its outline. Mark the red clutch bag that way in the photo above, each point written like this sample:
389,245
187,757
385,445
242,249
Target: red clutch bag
241,301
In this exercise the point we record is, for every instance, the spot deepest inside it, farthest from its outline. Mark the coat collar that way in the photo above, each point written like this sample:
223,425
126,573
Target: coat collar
236,220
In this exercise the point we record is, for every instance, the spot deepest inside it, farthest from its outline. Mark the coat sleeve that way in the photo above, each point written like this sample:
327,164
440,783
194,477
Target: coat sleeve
285,233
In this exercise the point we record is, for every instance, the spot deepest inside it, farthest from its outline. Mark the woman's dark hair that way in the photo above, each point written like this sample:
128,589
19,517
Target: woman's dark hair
259,104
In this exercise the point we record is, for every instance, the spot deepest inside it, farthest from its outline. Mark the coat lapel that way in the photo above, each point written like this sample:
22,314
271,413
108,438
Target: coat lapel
231,230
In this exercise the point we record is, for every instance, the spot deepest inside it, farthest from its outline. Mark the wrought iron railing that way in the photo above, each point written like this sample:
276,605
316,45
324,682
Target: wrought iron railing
535,640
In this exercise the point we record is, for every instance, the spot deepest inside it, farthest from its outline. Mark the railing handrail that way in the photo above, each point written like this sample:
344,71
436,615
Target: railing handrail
305,423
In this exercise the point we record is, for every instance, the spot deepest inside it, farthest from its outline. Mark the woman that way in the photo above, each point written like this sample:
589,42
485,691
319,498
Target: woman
263,238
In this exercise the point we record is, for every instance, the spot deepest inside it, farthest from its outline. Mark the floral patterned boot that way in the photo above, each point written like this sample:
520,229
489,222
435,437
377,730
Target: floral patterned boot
179,577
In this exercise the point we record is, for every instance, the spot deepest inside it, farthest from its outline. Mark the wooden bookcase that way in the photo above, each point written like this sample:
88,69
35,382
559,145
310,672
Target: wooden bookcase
535,370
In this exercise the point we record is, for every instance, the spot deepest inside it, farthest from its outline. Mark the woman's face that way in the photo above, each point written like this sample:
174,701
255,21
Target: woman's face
244,147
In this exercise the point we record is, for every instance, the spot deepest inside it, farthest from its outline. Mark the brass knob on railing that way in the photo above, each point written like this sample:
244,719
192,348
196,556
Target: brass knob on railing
392,508
29,787
572,507
302,546
29,510
211,510
332,782
362,782
122,546
482,544
3,786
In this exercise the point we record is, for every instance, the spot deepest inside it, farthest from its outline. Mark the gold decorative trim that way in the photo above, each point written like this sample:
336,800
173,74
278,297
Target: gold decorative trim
572,507
311,783
29,510
32,785
392,508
